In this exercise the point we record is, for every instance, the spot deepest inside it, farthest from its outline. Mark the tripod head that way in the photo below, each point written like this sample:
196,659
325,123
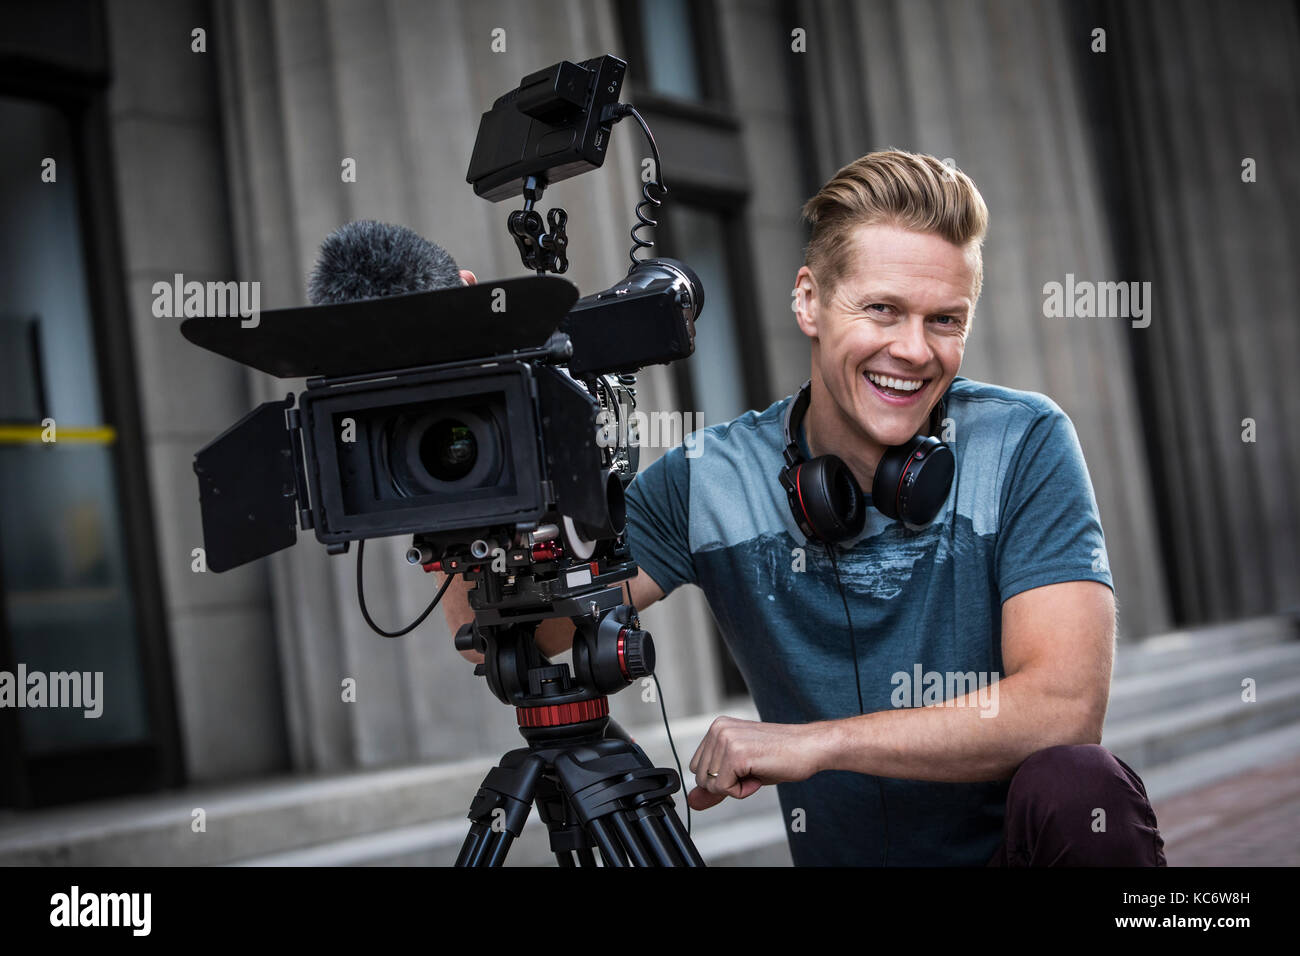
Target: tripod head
610,650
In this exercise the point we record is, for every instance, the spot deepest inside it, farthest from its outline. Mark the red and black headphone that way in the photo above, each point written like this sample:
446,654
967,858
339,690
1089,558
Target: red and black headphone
911,482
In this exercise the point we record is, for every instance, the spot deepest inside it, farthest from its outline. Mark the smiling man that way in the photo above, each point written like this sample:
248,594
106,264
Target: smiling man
1001,606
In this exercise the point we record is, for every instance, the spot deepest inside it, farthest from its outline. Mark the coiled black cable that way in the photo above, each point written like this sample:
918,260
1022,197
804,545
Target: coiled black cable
645,221
649,200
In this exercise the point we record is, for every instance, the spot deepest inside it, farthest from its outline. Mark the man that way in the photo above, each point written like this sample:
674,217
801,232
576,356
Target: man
953,716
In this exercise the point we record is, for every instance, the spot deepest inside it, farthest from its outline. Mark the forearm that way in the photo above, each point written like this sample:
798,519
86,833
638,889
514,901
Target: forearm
976,740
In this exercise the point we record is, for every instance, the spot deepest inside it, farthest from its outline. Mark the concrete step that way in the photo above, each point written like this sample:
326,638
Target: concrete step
749,833
1163,651
736,832
1259,751
1214,675
1176,716
1145,742
243,821
266,818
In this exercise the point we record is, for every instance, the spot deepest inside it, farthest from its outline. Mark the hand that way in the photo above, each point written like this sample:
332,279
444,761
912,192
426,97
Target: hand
747,754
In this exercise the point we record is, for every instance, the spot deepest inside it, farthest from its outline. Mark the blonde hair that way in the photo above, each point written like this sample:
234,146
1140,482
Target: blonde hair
893,187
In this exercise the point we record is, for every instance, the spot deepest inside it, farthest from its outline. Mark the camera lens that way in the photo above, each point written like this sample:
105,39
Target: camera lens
449,450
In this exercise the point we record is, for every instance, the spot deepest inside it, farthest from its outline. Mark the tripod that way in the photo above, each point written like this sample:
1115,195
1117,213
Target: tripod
594,788
591,791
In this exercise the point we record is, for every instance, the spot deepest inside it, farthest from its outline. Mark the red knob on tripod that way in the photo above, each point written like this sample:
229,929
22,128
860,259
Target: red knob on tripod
557,715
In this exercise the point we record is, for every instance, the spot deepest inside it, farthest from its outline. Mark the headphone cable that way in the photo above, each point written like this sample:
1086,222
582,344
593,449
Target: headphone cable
857,679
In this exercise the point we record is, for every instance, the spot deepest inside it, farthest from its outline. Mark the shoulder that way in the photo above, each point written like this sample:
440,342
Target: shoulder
998,401
1005,436
753,436
985,413
746,443
751,425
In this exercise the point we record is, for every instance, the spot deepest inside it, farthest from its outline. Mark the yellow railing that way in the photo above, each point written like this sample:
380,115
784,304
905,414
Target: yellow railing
69,434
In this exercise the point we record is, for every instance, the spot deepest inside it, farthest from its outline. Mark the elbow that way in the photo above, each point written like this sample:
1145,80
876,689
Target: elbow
1090,734
1086,724
1067,722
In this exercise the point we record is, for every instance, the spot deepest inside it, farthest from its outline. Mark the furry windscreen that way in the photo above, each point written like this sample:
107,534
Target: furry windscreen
367,259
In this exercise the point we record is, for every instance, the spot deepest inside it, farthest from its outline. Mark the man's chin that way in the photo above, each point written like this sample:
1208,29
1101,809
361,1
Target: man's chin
892,437
889,427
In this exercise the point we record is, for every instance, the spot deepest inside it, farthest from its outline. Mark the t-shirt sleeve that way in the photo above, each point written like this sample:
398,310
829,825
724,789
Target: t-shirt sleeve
658,528
1050,528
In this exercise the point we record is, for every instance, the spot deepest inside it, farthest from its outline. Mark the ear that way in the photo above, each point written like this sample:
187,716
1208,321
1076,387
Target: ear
468,277
805,302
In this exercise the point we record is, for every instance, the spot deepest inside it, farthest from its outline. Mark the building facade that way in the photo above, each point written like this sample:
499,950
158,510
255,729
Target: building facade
210,140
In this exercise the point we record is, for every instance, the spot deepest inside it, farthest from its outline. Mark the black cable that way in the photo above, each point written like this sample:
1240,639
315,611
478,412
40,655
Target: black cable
664,710
648,200
857,677
636,623
361,600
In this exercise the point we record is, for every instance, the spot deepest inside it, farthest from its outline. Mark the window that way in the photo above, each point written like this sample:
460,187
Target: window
667,40
79,590
68,601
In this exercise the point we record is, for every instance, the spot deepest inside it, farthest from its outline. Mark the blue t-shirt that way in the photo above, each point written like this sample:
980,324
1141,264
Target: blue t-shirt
926,602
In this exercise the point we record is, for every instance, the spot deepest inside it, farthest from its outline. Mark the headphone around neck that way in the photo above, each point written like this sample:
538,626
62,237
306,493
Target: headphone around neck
911,482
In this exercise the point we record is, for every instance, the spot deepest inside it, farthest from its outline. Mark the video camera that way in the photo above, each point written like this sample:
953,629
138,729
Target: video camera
487,421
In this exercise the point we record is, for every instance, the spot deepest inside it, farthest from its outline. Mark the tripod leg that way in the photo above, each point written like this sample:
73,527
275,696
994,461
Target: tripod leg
662,838
471,851
610,850
497,848
567,835
500,809
623,823
613,787
681,839
485,846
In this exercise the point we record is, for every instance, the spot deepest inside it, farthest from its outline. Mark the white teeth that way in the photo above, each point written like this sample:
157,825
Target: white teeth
903,385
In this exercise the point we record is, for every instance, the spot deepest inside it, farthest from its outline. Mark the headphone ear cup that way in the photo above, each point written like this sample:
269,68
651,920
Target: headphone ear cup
832,503
913,479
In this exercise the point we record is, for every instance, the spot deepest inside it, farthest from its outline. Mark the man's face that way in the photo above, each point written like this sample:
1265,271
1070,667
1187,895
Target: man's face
888,339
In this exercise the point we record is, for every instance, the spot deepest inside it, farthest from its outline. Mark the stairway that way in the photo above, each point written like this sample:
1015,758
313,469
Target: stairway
1176,716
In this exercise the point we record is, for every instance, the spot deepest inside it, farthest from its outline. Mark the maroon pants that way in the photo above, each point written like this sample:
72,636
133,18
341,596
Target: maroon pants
1078,806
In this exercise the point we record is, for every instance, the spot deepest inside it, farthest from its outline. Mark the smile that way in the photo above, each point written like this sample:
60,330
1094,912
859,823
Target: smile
897,384
895,391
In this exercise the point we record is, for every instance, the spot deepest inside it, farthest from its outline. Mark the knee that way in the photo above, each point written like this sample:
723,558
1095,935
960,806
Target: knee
1074,775
1068,758
1061,798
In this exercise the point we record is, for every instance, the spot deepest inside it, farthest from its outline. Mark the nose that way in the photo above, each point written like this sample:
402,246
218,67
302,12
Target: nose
909,343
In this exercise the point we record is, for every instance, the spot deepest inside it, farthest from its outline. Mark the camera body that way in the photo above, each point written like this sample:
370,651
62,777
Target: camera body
489,444
463,455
